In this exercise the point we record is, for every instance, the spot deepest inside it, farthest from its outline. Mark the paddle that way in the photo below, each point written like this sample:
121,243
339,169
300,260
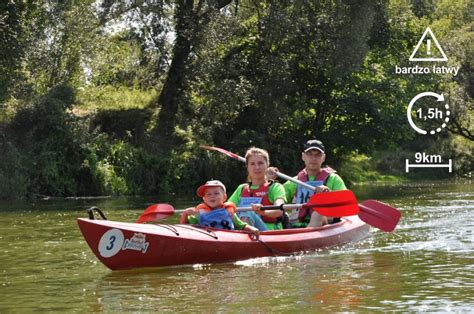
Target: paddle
156,212
242,159
374,213
161,211
380,215
323,203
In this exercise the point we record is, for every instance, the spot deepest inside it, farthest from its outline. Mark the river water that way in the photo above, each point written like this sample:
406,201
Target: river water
426,264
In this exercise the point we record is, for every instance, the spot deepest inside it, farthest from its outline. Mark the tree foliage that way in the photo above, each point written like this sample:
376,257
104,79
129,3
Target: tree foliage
224,72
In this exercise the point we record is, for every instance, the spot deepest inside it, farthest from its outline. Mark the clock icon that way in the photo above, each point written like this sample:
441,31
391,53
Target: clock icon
429,114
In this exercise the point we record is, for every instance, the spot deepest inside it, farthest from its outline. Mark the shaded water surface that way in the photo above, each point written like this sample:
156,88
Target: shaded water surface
427,264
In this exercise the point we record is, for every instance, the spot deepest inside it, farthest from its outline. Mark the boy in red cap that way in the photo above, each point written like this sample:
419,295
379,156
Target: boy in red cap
214,211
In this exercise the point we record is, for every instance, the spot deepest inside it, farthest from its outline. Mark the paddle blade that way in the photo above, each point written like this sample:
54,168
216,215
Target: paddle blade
380,215
223,151
156,212
334,204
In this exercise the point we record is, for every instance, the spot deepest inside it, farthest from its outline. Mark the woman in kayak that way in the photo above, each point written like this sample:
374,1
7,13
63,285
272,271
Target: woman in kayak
214,211
258,192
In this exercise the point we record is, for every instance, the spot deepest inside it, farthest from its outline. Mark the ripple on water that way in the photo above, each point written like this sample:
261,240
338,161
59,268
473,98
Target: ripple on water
427,264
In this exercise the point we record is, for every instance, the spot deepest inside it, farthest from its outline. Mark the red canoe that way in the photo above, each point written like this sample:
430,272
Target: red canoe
121,245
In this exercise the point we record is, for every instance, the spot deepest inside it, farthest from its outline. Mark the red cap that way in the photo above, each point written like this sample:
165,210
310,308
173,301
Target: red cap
202,189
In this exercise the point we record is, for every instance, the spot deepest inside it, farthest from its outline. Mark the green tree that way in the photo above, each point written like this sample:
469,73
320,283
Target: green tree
11,50
285,75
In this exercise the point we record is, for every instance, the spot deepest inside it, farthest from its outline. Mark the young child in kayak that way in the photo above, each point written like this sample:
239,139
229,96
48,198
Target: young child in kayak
214,211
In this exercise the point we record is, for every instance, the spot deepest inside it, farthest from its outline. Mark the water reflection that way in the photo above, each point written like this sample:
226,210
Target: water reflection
425,265
332,282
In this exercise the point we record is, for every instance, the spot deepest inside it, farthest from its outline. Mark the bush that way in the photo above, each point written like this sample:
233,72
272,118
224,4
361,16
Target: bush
119,168
360,169
50,142
13,176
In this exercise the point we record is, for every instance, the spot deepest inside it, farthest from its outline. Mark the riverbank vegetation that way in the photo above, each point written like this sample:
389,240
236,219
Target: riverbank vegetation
115,97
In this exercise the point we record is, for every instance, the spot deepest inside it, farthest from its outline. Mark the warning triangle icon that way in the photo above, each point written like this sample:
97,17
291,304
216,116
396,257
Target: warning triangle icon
428,48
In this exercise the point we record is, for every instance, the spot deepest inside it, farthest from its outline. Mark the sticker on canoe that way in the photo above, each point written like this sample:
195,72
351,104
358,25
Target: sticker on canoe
137,242
111,243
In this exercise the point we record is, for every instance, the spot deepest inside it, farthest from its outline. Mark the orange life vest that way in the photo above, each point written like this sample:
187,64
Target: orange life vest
227,205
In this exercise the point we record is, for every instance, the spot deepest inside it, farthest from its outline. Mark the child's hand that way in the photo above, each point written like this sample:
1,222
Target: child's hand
191,211
187,212
251,229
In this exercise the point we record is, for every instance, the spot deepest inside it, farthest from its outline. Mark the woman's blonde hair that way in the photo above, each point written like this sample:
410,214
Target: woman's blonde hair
252,151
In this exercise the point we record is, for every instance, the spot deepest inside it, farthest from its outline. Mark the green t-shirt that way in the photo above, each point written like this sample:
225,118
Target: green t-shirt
239,224
275,191
334,183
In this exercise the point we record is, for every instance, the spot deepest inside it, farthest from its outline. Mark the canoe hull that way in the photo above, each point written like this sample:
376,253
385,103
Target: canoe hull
121,245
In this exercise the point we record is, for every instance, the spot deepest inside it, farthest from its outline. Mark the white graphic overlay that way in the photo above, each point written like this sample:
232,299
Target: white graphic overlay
423,160
429,37
440,97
